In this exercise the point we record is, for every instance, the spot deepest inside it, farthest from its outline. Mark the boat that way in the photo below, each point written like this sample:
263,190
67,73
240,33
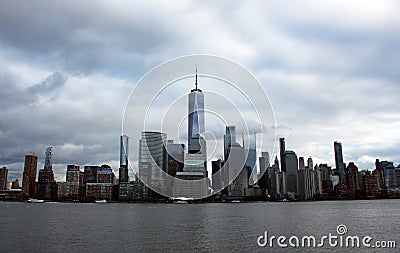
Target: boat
100,201
235,201
181,202
35,200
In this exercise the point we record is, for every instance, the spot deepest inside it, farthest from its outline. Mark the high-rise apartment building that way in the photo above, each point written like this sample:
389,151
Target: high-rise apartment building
282,153
46,185
74,182
291,165
340,167
29,176
3,178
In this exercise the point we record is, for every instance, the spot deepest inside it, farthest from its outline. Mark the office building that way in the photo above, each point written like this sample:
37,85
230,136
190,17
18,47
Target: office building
3,178
192,181
153,159
99,183
216,176
46,185
317,180
251,159
264,166
352,179
74,182
196,123
229,138
291,165
305,181
123,177
282,153
340,166
235,172
388,175
29,176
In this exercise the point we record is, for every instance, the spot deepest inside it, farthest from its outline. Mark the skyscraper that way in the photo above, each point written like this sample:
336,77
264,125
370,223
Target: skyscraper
3,178
291,165
282,152
388,175
264,165
153,158
29,176
236,172
339,161
124,151
196,115
229,138
74,182
217,174
192,180
48,161
123,178
251,159
46,186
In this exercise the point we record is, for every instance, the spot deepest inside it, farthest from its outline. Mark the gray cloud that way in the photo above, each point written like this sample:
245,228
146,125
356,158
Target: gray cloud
52,82
66,70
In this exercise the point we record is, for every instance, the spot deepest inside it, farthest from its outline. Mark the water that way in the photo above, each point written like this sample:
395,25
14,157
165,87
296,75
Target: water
212,227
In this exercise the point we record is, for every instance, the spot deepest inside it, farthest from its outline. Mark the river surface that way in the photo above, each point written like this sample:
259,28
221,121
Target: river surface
210,227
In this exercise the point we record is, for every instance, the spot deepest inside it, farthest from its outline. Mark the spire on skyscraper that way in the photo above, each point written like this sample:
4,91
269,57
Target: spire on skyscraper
195,83
196,78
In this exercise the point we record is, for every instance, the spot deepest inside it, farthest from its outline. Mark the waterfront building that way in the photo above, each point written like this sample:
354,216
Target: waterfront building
61,190
196,123
264,167
46,185
229,138
193,181
317,180
272,183
74,182
388,175
370,189
352,179
123,177
251,159
282,153
153,159
216,177
305,183
100,186
340,166
235,172
397,172
15,184
29,176
291,165
3,178
280,185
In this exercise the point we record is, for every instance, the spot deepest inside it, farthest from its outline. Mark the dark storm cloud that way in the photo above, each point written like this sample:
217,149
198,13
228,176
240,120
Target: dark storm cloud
81,36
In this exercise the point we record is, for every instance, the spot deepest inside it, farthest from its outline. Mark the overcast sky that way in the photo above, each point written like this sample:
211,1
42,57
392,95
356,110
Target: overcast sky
330,68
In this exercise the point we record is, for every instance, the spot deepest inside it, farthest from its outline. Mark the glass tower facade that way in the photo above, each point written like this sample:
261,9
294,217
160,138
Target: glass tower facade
339,161
153,158
196,114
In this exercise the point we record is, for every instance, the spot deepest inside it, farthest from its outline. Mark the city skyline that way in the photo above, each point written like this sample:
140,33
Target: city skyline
69,90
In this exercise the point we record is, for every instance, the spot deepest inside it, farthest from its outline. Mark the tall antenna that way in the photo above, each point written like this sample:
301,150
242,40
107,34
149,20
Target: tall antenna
196,78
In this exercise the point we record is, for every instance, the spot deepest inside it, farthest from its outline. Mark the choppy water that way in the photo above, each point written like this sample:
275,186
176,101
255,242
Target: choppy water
213,227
